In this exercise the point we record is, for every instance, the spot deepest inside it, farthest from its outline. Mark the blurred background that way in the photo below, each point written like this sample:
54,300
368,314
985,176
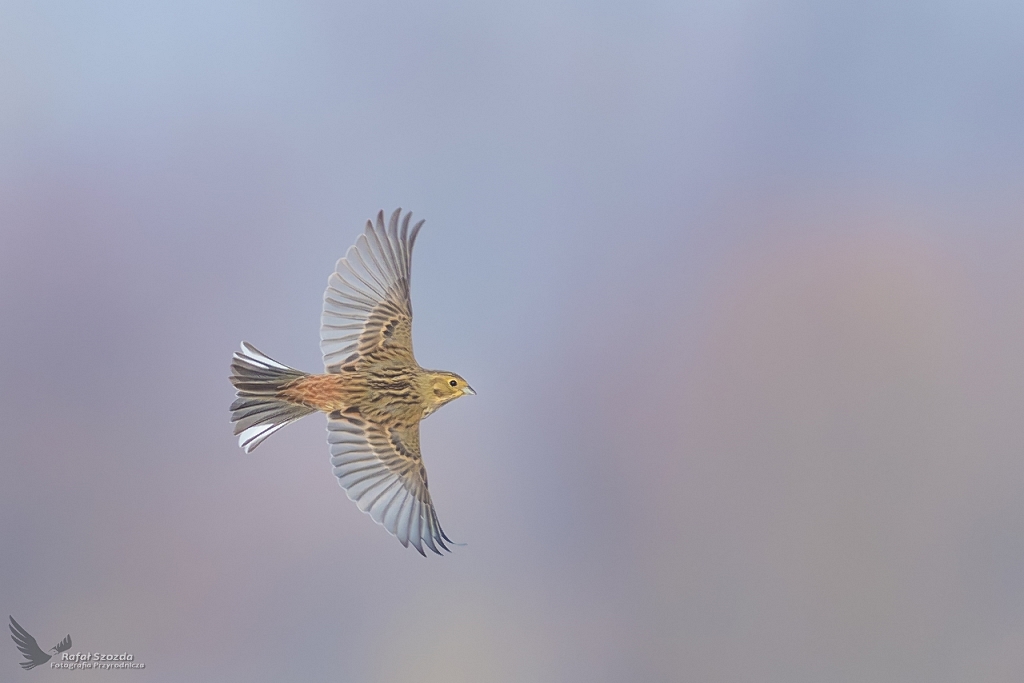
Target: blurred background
740,286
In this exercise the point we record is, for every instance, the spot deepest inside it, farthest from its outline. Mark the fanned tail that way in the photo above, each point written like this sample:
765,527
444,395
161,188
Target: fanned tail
258,412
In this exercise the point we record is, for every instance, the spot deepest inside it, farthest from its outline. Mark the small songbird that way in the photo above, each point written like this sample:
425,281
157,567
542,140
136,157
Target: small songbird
34,655
374,392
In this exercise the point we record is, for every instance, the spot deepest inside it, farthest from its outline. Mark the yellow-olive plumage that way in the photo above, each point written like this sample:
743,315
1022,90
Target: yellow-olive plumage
374,392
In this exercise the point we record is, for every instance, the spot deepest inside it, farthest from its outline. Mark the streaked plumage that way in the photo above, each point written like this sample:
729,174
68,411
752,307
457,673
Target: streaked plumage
34,655
374,392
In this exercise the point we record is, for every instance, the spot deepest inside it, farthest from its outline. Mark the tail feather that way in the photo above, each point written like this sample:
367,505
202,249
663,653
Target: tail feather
258,412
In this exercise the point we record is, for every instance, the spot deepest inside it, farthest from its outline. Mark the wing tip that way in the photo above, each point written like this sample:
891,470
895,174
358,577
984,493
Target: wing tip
404,516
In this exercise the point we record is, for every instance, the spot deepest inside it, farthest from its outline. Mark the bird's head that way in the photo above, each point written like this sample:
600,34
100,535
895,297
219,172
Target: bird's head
445,387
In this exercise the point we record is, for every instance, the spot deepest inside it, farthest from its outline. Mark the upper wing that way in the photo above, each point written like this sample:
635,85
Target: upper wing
64,644
380,468
367,312
34,656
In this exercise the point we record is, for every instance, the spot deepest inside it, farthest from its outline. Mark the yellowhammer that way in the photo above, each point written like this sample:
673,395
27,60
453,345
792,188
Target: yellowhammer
374,392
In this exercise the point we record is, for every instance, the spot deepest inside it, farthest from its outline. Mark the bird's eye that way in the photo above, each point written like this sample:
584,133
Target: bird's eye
453,383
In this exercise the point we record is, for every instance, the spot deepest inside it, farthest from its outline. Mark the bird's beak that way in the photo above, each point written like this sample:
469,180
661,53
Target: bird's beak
468,390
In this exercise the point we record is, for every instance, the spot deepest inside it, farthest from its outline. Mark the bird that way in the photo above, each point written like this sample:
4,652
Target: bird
373,391
34,655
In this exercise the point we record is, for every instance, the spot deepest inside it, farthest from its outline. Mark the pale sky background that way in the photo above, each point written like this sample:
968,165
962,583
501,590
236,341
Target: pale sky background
740,285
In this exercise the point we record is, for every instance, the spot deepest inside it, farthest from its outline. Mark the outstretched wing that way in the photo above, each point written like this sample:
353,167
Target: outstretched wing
64,645
367,311
28,646
380,468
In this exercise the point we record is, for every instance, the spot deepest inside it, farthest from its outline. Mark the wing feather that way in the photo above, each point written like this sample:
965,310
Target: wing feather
64,644
367,313
381,470
416,532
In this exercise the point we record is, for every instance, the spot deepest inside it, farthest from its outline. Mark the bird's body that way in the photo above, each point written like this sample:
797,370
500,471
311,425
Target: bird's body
374,392
394,393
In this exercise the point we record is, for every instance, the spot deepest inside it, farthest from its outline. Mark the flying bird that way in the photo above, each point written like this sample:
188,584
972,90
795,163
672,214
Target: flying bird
34,656
373,391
